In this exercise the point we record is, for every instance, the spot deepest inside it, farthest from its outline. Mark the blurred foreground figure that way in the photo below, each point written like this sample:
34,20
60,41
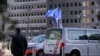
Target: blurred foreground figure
18,44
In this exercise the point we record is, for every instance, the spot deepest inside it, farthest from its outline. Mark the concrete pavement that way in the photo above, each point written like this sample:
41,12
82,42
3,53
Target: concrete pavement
7,52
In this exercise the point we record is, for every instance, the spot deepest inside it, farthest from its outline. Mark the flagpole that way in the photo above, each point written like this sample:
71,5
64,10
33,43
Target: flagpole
58,23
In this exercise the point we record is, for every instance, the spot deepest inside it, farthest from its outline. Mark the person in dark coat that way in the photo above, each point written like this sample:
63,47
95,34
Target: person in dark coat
18,44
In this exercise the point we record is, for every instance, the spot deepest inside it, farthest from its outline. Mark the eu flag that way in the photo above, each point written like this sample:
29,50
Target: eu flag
55,14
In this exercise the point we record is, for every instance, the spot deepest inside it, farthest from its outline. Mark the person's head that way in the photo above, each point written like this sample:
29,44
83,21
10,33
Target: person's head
17,30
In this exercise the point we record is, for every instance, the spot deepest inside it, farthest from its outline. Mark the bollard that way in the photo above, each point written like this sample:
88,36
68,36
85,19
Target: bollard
63,51
33,53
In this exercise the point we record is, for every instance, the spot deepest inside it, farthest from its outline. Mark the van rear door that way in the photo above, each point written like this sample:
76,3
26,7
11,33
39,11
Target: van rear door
52,41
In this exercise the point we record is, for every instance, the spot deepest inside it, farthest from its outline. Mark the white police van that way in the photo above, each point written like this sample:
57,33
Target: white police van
72,42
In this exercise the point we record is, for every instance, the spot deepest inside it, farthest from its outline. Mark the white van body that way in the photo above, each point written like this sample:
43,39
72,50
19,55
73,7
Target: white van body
76,42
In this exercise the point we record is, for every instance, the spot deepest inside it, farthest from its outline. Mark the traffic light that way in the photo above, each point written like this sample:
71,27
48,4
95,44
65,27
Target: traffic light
3,2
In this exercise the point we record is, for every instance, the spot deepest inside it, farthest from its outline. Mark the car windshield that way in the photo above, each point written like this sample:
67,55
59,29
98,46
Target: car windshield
37,39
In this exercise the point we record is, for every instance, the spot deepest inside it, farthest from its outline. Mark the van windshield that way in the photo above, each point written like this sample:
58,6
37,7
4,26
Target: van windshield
54,34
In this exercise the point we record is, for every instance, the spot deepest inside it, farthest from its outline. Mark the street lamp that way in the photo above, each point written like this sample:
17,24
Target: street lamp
28,24
81,20
85,20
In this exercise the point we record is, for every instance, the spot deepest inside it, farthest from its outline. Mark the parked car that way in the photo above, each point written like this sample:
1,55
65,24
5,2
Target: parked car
38,50
33,42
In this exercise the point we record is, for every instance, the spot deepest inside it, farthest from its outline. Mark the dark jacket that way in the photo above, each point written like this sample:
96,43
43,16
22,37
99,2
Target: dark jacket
18,44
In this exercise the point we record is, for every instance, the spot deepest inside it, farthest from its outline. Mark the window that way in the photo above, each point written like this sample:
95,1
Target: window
71,4
20,7
26,7
20,15
41,13
50,22
38,6
75,4
93,35
40,21
41,6
23,14
80,4
92,11
32,6
29,7
44,6
20,0
14,8
63,4
75,20
9,15
54,34
23,7
26,14
55,5
76,35
71,12
23,0
17,7
26,0
67,21
67,5
44,21
14,15
63,21
37,13
44,13
92,19
31,13
17,0
31,21
59,5
80,20
80,12
71,20
92,3
34,21
51,6
75,12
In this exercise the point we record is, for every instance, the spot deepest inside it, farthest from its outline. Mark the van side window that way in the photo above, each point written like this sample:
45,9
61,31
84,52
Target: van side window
76,34
93,35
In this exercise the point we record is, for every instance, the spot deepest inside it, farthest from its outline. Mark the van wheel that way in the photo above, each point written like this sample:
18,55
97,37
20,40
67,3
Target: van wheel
40,54
74,54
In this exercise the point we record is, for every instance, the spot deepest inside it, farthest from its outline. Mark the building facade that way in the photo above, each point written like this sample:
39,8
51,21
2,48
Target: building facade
30,16
76,13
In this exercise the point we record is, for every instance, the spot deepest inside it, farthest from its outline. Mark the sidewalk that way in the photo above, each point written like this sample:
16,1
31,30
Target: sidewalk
7,52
